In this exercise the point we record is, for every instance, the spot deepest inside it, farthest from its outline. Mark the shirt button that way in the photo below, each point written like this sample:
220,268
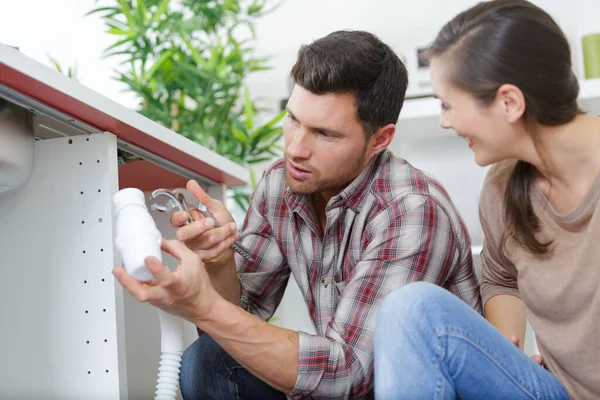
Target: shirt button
324,282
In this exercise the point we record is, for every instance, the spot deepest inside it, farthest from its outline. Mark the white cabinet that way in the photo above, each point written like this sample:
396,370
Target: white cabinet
68,331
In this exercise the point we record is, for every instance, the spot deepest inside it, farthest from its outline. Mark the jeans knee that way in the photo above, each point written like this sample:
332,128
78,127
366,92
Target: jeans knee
410,300
203,348
197,366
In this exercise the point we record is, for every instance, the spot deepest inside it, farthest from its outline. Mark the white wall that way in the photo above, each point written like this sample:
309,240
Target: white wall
58,28
402,24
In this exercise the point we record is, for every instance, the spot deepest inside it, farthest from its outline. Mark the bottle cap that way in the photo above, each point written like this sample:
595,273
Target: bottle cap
128,196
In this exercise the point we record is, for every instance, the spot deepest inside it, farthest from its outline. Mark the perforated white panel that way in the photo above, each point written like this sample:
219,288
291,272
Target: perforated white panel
58,301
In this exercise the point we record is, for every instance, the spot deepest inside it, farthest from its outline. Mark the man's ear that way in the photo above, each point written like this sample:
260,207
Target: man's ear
381,139
511,102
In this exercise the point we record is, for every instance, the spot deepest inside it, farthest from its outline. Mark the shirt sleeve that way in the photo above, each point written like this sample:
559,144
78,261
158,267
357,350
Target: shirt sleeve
410,241
263,281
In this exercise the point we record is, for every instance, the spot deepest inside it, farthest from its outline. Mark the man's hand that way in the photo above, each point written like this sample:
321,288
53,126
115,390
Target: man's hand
537,358
268,352
187,292
213,245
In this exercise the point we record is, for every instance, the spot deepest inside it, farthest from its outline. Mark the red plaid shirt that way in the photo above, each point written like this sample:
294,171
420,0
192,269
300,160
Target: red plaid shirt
394,224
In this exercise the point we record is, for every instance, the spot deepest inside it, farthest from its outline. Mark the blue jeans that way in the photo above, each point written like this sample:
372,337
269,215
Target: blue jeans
209,373
430,345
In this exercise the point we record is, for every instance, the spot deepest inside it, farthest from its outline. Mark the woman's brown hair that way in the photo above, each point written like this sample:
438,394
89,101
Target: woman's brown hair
513,42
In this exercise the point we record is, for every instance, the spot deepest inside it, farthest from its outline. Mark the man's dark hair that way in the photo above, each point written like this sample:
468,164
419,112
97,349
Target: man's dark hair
355,62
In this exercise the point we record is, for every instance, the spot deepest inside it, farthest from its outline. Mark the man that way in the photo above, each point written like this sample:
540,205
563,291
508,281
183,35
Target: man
341,213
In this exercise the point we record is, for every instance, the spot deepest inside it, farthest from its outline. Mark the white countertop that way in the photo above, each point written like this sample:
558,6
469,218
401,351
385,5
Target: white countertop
36,81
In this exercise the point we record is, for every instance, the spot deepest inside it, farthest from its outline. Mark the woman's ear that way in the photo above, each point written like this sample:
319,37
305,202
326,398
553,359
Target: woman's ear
512,102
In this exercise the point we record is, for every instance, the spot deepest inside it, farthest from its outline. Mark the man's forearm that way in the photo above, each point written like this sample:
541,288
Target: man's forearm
225,281
268,352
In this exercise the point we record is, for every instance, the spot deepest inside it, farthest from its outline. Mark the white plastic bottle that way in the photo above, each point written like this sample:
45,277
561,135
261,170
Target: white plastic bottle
136,234
137,238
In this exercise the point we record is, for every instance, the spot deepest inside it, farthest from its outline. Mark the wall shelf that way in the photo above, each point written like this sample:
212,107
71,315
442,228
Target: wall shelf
419,119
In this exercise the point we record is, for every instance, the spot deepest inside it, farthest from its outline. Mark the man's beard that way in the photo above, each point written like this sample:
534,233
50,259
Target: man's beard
312,187
330,184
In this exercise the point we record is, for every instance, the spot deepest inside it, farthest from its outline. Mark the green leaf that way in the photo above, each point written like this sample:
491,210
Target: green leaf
118,31
160,10
252,178
242,200
271,136
55,63
240,135
161,60
232,6
196,56
259,68
274,153
110,22
248,110
101,9
267,131
141,12
126,11
259,160
256,7
275,120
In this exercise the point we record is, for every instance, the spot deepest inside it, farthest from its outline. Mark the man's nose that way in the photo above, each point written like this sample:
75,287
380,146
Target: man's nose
300,145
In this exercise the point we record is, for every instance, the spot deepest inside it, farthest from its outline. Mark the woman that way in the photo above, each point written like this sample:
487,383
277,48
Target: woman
502,70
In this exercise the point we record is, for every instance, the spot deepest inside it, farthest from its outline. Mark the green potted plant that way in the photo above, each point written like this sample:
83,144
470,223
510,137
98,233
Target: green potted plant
187,61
